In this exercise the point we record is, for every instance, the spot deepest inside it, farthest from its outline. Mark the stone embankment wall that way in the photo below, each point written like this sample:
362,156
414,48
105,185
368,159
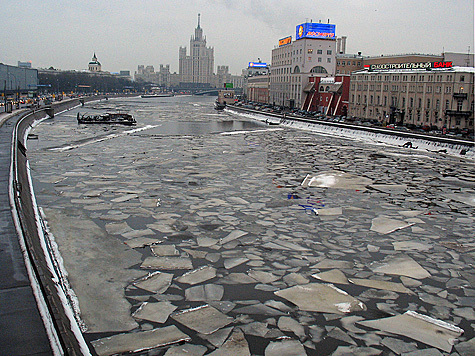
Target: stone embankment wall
45,274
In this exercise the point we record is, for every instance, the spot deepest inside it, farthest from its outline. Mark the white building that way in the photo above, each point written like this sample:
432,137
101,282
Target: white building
313,53
94,65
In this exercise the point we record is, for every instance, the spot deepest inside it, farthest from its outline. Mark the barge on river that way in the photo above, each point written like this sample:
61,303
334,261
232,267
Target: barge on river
107,118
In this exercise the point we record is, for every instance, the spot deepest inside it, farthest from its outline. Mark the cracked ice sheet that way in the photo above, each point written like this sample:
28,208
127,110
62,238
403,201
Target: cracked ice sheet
286,347
207,292
400,265
324,298
204,319
156,312
419,327
235,345
143,340
90,260
166,263
385,225
157,282
199,275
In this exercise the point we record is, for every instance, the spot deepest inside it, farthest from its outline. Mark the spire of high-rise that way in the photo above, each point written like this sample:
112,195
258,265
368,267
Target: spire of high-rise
198,31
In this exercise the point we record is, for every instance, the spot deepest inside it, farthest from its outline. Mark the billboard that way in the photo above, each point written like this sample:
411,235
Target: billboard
410,65
257,65
315,30
285,41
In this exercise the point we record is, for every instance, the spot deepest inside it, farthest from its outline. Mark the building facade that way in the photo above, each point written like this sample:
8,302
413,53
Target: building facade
328,95
431,95
196,69
148,74
222,76
313,53
347,63
16,81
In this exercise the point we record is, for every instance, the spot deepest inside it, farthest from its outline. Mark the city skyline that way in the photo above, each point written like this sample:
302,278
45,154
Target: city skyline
124,34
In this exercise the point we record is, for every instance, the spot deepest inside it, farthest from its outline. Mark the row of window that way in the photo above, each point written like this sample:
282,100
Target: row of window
394,87
394,102
412,78
349,63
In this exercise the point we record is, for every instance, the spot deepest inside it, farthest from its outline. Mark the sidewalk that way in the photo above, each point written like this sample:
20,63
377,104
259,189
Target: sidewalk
21,328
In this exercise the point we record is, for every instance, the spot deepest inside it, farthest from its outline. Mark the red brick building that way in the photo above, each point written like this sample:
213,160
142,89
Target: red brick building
328,95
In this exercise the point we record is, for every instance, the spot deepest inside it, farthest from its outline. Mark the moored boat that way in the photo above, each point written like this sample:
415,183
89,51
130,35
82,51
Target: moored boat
162,95
107,118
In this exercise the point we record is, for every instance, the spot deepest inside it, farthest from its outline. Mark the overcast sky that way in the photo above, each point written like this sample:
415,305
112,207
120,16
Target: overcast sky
125,33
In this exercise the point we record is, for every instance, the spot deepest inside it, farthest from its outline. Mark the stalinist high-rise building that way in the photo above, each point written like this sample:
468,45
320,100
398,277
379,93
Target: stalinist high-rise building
196,69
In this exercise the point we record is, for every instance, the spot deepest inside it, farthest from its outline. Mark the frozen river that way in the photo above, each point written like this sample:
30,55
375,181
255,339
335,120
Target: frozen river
201,233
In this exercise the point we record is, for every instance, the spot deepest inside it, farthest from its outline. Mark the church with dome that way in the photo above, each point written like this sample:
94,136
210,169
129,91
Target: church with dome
94,64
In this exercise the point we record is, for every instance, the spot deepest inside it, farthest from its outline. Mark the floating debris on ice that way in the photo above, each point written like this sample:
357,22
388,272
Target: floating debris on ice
338,180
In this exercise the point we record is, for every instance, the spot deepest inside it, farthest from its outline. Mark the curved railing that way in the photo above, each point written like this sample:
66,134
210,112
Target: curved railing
47,279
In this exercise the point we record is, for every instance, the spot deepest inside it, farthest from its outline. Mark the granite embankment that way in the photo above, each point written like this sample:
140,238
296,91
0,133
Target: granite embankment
35,312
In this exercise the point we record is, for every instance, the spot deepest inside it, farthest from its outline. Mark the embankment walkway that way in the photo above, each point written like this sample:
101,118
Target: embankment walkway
22,331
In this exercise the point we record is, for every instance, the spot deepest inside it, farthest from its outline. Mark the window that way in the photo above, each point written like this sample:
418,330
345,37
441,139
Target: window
319,51
329,52
459,105
318,69
411,101
296,69
322,88
447,105
329,60
319,59
462,78
309,51
420,103
428,103
437,104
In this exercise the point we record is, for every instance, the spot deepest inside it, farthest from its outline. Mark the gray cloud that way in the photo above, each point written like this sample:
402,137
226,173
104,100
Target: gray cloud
64,34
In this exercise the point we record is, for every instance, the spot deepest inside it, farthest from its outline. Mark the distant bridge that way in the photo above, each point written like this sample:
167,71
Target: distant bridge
212,92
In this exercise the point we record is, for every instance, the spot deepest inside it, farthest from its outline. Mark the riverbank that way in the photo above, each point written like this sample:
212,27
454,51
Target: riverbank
412,140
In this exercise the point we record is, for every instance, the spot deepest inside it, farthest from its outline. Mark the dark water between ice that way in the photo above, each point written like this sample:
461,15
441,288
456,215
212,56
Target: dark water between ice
190,177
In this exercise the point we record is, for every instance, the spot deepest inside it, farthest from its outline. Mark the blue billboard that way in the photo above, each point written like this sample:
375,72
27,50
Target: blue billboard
315,30
257,65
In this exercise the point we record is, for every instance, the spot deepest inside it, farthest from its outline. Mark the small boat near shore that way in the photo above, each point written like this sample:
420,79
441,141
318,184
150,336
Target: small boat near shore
107,118
219,106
